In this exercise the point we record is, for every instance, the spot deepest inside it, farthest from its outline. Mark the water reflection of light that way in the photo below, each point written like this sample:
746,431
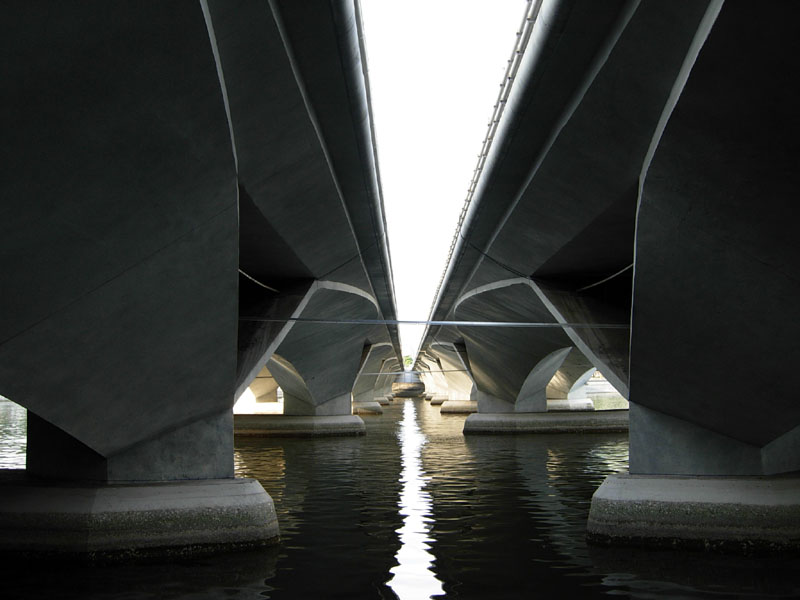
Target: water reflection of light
412,577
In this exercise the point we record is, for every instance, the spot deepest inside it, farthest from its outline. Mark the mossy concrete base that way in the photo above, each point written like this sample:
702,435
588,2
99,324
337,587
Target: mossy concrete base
725,514
291,426
97,522
595,421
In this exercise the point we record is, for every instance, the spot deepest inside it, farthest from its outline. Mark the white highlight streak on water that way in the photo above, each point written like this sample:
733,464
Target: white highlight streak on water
413,577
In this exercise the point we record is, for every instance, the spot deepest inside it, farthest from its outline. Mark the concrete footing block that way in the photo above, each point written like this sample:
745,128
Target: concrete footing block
459,407
291,426
557,422
100,522
725,514
382,400
438,400
367,408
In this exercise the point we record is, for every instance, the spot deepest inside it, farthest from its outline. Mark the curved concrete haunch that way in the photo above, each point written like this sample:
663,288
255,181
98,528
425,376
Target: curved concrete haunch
734,514
123,521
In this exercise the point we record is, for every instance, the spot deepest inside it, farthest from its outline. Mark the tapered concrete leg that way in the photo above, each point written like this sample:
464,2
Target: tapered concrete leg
87,521
733,514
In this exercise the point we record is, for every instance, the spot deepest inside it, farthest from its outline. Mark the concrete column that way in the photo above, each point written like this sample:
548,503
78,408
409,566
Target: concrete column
710,467
119,241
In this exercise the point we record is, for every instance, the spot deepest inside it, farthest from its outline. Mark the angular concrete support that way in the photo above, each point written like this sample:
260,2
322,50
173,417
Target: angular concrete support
567,390
369,382
293,426
731,514
100,522
606,421
532,395
454,367
714,215
316,364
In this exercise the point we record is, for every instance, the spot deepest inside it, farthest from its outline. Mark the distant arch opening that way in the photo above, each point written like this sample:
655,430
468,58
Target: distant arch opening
262,397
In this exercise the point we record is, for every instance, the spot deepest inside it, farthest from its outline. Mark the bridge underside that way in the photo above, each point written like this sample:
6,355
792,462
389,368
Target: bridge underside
642,178
184,183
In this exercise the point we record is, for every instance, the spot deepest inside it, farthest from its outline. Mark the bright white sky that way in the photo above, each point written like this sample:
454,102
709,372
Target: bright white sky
435,69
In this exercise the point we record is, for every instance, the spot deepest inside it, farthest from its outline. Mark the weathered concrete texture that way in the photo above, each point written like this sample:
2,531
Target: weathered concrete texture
561,422
367,408
460,407
729,514
99,522
291,426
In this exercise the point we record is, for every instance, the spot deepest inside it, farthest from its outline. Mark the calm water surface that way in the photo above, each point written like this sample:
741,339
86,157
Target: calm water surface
415,510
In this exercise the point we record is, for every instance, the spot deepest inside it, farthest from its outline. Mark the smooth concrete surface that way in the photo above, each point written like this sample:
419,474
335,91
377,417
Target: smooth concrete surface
292,426
729,514
116,521
383,401
460,407
202,449
438,400
367,408
560,422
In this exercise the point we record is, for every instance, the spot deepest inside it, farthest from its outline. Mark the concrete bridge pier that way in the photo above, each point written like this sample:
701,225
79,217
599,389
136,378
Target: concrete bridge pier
515,369
369,395
454,364
118,247
715,293
169,496
317,363
567,390
432,375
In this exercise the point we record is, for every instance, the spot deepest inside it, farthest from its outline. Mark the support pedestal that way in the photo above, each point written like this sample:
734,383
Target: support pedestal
728,514
459,407
601,421
122,521
290,426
